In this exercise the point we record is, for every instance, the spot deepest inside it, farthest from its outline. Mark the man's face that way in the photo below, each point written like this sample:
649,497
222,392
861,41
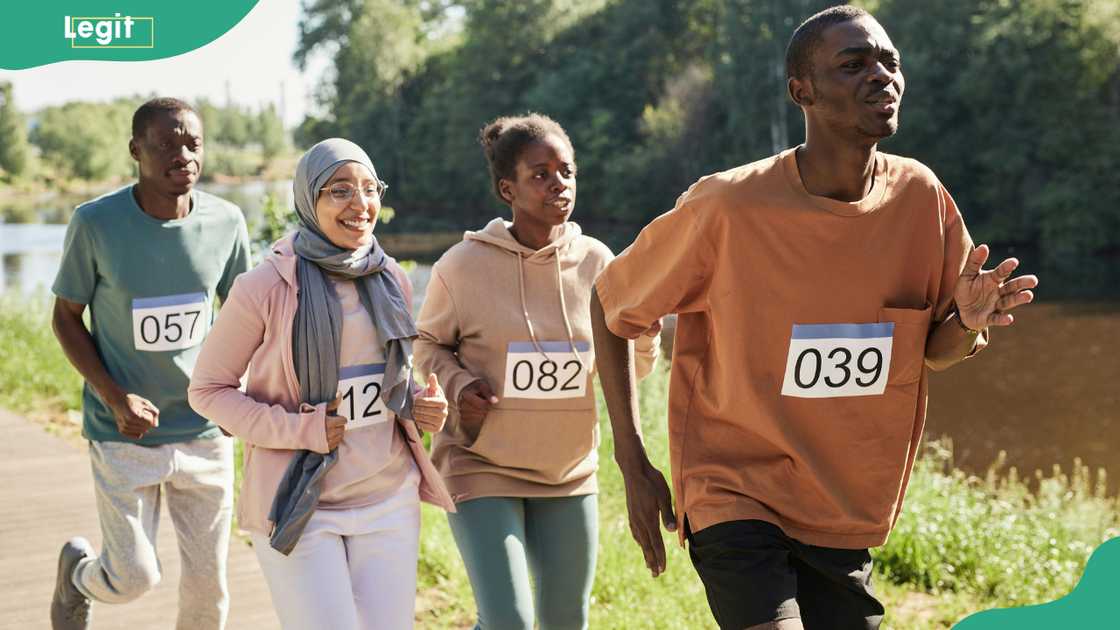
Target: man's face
856,81
170,152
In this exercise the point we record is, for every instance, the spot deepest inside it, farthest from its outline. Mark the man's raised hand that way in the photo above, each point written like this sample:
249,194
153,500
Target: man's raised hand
984,298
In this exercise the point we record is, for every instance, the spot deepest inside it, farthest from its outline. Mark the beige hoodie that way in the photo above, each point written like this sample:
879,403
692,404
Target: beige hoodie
495,305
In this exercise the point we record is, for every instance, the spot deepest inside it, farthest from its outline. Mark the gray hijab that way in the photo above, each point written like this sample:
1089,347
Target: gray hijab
317,330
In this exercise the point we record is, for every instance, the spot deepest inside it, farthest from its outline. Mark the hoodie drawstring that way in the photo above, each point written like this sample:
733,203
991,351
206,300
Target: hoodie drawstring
564,312
563,309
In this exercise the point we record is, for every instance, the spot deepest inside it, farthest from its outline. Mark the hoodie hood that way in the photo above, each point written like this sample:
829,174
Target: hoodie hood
497,233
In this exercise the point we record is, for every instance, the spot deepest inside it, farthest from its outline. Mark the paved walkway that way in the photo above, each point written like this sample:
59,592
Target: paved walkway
46,496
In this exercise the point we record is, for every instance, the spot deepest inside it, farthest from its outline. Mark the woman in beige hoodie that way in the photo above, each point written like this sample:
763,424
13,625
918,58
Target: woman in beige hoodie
506,326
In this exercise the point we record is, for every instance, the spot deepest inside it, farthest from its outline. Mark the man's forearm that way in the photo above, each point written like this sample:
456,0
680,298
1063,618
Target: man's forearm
615,363
77,344
949,344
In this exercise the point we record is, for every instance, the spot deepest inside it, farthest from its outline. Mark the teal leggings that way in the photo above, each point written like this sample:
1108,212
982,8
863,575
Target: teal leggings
503,539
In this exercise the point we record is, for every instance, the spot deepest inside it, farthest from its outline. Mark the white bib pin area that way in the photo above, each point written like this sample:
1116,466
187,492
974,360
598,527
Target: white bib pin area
557,373
838,360
170,322
360,389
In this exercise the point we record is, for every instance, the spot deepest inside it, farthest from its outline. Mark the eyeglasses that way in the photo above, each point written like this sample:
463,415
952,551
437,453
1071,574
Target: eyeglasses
342,193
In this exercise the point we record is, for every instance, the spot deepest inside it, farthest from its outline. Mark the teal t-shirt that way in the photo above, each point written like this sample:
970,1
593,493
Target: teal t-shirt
150,286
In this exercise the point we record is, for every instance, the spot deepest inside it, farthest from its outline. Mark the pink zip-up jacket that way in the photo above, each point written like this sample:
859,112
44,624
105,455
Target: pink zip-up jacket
254,332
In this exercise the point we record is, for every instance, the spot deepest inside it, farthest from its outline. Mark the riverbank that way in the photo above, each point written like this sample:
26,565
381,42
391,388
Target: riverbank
964,543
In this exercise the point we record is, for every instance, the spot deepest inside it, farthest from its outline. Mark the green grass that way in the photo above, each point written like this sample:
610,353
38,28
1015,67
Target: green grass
35,377
993,538
962,544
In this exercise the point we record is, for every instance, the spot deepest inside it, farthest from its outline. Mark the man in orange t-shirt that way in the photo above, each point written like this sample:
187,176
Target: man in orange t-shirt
812,288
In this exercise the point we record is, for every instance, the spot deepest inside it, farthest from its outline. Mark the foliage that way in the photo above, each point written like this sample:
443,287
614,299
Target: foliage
1013,104
994,538
276,221
87,140
35,376
14,154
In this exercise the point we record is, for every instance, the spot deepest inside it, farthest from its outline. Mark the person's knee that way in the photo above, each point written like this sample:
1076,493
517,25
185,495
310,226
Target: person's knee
134,581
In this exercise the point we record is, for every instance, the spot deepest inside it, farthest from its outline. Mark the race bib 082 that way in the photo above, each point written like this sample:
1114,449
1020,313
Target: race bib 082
360,389
171,322
836,360
557,373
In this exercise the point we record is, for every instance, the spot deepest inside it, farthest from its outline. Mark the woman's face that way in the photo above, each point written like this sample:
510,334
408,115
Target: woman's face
348,206
544,190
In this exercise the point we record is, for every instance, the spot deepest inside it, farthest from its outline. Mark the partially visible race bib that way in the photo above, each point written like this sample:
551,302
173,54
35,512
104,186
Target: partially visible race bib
171,322
836,360
558,373
360,389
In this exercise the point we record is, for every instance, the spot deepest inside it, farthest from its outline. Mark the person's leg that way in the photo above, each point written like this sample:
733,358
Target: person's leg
382,560
490,534
834,588
200,503
745,568
126,480
310,587
563,542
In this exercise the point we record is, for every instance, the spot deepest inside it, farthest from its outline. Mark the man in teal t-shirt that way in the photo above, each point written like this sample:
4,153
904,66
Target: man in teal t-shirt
150,261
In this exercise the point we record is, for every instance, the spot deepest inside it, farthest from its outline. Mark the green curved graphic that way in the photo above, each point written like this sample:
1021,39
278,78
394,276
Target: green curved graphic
1091,603
39,33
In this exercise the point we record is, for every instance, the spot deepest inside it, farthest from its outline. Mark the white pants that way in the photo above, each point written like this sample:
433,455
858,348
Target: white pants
352,569
197,478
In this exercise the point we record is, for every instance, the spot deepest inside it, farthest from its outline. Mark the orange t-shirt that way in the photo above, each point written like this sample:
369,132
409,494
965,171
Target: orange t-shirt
798,390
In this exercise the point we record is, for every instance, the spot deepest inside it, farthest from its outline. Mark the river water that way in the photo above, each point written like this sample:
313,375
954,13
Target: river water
1045,392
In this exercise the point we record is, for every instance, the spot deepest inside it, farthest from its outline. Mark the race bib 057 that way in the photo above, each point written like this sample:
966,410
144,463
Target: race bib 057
555,373
360,389
171,322
836,360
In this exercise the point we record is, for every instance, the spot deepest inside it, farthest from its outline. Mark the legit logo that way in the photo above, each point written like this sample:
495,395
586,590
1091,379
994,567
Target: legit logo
110,32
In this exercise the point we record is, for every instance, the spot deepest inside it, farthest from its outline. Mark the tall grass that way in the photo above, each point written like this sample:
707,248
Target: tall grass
35,377
993,538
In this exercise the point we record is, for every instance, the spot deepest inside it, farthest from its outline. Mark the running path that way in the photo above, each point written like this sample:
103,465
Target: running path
46,496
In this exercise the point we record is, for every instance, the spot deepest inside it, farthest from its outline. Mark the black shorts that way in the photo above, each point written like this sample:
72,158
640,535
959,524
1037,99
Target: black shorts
753,573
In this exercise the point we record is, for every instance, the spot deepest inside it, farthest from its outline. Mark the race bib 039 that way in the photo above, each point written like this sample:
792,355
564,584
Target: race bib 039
171,322
836,360
555,373
360,389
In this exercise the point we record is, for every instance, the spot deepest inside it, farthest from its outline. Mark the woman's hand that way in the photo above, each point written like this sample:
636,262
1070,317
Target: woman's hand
335,425
474,403
429,408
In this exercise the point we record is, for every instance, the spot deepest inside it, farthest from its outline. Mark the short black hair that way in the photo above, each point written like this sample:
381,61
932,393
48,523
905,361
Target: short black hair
799,52
504,139
149,110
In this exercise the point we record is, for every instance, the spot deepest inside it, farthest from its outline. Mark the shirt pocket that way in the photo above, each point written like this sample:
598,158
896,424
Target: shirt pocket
908,349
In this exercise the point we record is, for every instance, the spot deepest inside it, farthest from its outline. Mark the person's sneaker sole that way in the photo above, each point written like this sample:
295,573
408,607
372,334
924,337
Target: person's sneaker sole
69,608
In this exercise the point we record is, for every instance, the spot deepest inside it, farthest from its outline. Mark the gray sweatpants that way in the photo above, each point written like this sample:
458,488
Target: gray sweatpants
128,479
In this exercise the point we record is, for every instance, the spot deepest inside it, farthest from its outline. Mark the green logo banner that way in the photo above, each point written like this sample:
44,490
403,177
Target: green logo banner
40,33
1091,604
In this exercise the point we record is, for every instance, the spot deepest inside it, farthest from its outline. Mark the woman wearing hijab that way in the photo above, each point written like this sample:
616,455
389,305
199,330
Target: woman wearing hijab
334,470
506,326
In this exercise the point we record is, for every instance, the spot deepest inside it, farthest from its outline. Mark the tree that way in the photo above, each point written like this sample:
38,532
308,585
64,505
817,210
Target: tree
1013,104
269,132
14,152
87,140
